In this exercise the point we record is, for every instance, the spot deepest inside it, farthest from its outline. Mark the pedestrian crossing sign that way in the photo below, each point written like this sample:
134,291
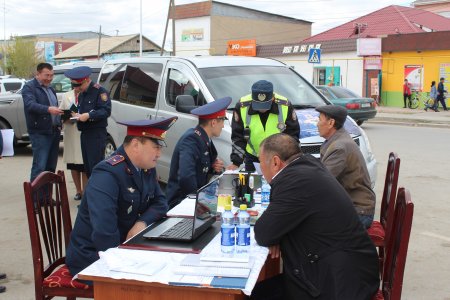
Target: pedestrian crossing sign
314,56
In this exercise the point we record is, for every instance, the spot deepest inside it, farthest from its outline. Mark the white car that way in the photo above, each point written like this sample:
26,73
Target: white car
10,85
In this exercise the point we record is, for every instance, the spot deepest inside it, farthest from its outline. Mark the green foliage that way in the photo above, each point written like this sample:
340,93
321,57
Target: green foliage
21,58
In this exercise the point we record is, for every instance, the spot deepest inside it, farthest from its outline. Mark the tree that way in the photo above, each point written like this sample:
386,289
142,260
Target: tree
21,58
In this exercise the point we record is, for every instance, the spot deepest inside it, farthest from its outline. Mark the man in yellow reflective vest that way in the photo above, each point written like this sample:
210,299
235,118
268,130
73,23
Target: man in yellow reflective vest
257,116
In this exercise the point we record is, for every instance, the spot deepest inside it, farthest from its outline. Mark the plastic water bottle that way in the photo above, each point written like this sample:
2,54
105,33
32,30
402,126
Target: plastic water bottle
243,230
228,231
265,194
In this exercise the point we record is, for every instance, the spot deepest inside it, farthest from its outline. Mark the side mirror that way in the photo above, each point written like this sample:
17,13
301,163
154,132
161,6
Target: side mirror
185,103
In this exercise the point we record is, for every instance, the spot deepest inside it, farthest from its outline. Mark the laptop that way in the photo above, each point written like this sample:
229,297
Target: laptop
189,228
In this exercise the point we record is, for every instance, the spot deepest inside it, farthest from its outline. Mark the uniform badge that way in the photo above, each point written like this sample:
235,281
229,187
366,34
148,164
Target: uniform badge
131,190
206,153
130,209
281,126
104,97
261,97
205,170
236,117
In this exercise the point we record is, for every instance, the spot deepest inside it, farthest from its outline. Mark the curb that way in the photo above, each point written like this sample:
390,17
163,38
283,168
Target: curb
409,122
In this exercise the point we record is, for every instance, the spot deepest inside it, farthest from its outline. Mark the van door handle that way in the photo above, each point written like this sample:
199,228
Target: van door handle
149,116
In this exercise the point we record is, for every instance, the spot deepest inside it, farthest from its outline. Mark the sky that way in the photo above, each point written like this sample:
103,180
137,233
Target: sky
121,17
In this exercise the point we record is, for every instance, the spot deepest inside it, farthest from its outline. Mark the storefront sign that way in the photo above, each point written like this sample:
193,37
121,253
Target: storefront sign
414,74
192,35
444,72
242,48
300,48
368,46
373,63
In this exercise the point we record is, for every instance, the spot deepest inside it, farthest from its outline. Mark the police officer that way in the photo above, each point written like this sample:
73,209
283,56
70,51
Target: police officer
257,116
195,156
94,108
122,196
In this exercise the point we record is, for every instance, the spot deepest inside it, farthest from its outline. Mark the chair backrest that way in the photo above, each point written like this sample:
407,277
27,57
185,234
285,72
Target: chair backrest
49,221
397,246
389,192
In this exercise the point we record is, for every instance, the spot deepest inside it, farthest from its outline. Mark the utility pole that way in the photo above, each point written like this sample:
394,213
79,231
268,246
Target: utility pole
167,25
140,32
4,38
99,41
173,28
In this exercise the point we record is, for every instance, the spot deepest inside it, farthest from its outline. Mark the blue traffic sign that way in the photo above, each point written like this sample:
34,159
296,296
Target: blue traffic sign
314,56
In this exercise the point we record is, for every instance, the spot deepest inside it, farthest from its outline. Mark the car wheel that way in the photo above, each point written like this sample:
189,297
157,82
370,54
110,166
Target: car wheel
359,122
110,147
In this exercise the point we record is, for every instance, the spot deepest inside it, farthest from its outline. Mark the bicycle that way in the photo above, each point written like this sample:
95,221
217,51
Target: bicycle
420,97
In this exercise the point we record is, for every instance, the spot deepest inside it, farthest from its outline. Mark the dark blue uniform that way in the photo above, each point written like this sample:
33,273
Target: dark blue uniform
191,164
115,199
95,101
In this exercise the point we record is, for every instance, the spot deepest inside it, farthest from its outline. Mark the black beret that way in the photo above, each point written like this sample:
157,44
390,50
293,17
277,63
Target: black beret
338,113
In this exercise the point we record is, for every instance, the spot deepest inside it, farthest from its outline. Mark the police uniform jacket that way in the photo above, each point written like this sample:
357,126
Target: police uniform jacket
238,140
344,160
35,104
191,164
326,251
116,197
95,101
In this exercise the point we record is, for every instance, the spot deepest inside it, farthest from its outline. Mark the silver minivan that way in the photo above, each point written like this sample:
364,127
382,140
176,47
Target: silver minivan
155,87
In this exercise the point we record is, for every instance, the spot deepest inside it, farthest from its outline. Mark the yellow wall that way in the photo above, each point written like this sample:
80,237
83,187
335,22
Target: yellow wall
393,72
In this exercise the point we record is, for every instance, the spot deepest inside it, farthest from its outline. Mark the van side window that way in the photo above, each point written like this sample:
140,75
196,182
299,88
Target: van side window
140,84
12,86
111,79
180,84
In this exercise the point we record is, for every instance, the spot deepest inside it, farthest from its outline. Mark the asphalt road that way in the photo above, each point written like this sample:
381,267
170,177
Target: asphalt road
424,171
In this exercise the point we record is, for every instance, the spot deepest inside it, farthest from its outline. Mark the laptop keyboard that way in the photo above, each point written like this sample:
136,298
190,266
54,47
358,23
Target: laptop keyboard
181,230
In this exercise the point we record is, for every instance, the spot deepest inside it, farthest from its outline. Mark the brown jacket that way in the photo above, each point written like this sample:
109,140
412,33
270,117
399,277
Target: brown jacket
342,157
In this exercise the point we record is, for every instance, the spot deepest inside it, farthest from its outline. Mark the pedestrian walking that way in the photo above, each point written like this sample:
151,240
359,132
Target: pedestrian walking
406,93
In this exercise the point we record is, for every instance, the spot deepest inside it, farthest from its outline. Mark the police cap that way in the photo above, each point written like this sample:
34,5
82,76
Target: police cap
338,113
213,110
78,74
153,129
262,94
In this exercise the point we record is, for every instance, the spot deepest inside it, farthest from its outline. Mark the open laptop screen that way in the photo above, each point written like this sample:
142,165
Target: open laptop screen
206,204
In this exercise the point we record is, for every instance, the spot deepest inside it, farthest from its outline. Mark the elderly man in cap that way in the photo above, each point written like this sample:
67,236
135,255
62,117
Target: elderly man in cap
122,196
195,156
342,157
257,116
94,108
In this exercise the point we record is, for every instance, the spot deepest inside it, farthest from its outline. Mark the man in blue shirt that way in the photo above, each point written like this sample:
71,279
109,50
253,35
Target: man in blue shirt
43,120
122,196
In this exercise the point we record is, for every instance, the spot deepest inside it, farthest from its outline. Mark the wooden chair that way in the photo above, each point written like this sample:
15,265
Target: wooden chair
50,226
397,248
380,230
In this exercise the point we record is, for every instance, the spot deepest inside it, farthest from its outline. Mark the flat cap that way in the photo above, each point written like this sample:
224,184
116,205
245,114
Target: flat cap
262,94
338,113
78,73
213,110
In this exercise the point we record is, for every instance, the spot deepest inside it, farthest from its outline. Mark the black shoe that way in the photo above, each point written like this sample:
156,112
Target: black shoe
404,106
2,276
426,108
77,197
2,289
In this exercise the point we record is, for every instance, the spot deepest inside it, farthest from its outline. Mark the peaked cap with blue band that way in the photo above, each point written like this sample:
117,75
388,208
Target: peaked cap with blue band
78,73
213,110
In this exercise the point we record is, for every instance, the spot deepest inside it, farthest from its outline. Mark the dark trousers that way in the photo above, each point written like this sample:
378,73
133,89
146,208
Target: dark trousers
269,289
406,96
45,152
442,100
93,142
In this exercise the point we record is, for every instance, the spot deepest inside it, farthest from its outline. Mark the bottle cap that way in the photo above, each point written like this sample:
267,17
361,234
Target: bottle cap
227,206
243,207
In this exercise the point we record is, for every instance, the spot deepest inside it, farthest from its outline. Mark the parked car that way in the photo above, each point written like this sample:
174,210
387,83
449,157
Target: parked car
10,85
12,115
358,107
155,87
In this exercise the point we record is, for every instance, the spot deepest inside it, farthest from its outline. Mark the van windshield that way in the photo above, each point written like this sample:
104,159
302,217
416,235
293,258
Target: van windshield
237,81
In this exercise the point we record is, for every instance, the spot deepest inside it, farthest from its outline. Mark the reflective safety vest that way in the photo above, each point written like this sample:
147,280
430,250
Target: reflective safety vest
275,124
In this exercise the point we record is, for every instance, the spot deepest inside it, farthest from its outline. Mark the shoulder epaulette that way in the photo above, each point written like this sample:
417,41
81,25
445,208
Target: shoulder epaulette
97,86
114,160
198,132
282,102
